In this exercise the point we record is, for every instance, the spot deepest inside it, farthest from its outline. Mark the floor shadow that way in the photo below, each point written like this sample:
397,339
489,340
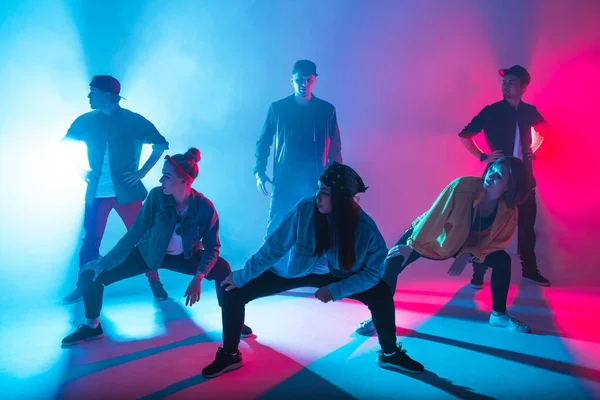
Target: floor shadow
173,318
307,384
525,294
543,323
462,392
428,377
176,387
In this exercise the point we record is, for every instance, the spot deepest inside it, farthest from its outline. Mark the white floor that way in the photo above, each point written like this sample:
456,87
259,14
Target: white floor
306,349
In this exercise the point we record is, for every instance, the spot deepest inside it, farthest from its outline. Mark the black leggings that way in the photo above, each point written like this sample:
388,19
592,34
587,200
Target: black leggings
379,299
135,265
499,261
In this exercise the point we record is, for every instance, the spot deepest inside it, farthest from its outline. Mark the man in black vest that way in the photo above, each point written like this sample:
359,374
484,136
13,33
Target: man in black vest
507,125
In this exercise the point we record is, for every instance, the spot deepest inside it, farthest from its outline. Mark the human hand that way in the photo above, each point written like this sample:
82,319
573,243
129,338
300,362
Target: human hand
493,156
323,294
192,294
261,184
459,264
400,250
88,176
529,154
131,178
95,266
228,282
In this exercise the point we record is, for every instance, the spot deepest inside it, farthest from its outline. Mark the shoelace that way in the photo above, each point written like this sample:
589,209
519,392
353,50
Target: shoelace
515,321
399,351
366,323
220,351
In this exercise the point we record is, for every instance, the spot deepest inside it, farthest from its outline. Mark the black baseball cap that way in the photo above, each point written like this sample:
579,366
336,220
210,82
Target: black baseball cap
305,67
106,83
518,71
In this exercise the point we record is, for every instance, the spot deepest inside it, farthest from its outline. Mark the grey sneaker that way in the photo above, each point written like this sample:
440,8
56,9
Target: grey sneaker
509,322
366,328
73,297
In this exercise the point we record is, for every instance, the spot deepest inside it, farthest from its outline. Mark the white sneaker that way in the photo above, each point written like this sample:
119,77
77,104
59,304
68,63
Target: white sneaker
366,327
509,322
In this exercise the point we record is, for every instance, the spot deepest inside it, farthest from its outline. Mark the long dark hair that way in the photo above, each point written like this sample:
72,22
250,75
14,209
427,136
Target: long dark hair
338,229
519,182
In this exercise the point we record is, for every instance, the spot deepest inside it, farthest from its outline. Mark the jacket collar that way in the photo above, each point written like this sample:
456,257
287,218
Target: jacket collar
193,207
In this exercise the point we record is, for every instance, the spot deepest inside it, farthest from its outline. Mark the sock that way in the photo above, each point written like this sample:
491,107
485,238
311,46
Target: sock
497,314
387,355
92,322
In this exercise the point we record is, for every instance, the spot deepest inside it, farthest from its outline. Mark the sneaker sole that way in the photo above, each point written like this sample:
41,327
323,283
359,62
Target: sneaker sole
161,298
396,367
476,287
231,367
527,330
83,340
536,282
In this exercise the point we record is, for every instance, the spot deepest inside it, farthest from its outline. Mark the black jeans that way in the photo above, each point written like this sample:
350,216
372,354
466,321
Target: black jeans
379,299
526,234
499,261
525,238
135,265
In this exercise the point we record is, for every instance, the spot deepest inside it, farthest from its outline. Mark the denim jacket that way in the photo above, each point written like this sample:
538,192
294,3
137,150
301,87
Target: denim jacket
154,227
296,234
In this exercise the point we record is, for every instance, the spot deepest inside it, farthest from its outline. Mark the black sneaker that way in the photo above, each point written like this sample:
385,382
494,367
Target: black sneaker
399,361
158,291
83,334
246,331
73,297
477,282
536,278
224,362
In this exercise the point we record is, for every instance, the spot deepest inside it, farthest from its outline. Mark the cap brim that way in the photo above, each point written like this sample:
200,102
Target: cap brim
502,72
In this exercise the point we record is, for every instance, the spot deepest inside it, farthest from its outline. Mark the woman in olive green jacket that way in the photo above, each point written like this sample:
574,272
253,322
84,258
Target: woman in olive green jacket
473,219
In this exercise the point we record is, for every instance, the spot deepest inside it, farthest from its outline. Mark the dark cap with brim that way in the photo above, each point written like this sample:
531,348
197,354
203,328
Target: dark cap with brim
518,71
305,67
106,83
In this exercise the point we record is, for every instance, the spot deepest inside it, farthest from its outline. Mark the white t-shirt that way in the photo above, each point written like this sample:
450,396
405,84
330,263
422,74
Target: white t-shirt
106,188
518,151
175,246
